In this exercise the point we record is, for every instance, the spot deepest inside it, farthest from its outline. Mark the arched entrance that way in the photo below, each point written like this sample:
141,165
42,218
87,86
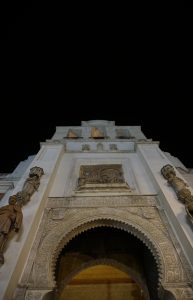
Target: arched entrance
158,253
84,265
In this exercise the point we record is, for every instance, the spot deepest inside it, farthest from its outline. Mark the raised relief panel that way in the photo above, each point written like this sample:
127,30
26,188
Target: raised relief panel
101,177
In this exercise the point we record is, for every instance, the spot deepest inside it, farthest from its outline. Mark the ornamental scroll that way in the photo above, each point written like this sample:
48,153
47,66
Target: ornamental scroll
180,187
101,177
11,215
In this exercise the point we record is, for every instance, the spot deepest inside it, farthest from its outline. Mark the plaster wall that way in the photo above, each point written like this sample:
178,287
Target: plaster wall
17,250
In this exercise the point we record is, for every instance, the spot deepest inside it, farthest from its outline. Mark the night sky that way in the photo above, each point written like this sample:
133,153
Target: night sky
132,66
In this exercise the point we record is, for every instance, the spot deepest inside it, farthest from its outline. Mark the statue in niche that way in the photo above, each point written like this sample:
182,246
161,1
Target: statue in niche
96,133
72,135
30,185
10,220
180,187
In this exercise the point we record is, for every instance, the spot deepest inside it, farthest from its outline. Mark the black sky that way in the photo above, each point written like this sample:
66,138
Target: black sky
133,66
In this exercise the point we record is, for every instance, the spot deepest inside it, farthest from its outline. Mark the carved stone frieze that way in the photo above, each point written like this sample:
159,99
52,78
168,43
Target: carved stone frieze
177,292
101,174
33,295
97,201
76,221
66,218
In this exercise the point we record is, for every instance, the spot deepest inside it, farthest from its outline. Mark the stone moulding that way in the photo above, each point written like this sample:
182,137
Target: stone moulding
57,234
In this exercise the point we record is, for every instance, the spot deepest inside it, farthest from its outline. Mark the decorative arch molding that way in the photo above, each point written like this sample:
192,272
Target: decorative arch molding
75,221
109,262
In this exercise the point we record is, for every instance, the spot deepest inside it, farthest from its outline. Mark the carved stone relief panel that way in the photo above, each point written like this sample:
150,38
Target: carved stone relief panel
101,174
60,224
60,227
101,177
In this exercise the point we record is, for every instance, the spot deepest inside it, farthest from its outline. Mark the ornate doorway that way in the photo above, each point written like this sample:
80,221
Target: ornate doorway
83,263
71,240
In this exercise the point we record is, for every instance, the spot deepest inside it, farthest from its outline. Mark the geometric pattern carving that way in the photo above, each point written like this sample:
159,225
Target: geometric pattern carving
101,174
61,224
93,177
76,221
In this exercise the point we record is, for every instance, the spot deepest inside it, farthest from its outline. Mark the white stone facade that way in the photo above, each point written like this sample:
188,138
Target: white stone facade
57,210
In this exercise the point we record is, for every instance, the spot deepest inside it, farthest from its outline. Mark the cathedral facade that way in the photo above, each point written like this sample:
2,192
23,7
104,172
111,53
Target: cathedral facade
100,212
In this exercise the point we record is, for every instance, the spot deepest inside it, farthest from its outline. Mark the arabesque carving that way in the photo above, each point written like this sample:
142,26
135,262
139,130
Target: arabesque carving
180,187
60,232
101,177
100,174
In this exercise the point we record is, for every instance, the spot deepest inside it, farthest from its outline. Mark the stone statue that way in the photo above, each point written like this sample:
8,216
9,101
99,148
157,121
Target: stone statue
10,219
11,215
180,187
30,185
